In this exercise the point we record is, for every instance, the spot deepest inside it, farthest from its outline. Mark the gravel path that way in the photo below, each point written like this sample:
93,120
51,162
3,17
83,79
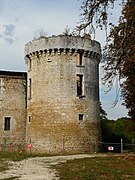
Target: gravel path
38,168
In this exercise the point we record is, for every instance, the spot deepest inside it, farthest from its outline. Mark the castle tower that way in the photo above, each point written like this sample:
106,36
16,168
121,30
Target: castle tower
63,94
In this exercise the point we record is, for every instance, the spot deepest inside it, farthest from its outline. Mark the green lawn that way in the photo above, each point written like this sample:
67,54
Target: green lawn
98,168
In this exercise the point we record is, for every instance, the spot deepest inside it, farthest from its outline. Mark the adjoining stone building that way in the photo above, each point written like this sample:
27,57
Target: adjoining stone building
59,113
13,112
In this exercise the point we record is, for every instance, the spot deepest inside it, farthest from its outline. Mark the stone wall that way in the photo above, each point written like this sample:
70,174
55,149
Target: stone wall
12,110
61,118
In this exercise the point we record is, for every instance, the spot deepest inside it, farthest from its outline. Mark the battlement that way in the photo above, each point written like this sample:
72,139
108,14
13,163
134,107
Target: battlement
63,44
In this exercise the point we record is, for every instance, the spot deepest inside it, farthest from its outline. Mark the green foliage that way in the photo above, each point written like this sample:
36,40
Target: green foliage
126,128
121,56
114,131
103,114
119,52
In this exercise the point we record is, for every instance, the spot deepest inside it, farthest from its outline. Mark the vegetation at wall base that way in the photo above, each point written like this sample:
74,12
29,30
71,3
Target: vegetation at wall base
18,156
14,156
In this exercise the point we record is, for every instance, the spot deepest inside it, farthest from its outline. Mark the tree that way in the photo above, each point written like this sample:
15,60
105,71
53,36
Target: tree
119,51
40,33
115,130
103,114
125,128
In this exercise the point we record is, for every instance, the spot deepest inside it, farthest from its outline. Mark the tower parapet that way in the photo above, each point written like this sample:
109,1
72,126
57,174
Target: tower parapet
62,43
63,94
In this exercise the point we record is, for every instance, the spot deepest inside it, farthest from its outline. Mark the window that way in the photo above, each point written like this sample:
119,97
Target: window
29,118
79,59
80,85
7,123
81,117
29,89
0,89
29,64
49,60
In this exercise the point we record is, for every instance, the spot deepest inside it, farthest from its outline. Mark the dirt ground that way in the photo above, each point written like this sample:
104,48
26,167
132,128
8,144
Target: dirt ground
38,168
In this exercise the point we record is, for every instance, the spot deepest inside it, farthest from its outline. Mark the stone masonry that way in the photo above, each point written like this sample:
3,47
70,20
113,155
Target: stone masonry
12,110
63,94
54,106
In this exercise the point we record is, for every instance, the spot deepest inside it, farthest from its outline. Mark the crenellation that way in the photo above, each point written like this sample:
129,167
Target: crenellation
64,42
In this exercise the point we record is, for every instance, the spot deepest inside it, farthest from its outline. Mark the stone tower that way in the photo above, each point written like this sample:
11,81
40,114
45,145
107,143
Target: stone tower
63,94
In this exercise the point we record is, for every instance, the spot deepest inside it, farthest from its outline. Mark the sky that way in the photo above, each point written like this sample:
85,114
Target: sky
22,20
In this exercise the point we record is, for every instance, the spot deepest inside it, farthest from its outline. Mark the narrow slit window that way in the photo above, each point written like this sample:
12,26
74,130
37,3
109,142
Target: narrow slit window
81,117
29,64
80,59
79,84
0,89
29,88
29,118
7,123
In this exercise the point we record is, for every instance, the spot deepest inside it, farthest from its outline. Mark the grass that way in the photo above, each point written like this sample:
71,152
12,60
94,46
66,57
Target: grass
14,156
98,168
19,156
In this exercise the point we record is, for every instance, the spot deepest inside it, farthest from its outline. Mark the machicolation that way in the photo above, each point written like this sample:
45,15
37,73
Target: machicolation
59,94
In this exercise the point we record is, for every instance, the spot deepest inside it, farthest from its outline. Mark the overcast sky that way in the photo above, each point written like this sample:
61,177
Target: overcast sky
21,20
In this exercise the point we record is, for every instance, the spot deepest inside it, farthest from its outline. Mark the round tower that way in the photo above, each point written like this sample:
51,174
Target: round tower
63,94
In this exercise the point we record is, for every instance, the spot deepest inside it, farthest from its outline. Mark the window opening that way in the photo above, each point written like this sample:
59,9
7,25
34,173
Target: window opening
0,89
29,118
7,123
81,117
79,84
29,64
80,59
29,88
49,60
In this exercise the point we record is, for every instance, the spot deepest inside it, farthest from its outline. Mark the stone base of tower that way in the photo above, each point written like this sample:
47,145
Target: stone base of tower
69,138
